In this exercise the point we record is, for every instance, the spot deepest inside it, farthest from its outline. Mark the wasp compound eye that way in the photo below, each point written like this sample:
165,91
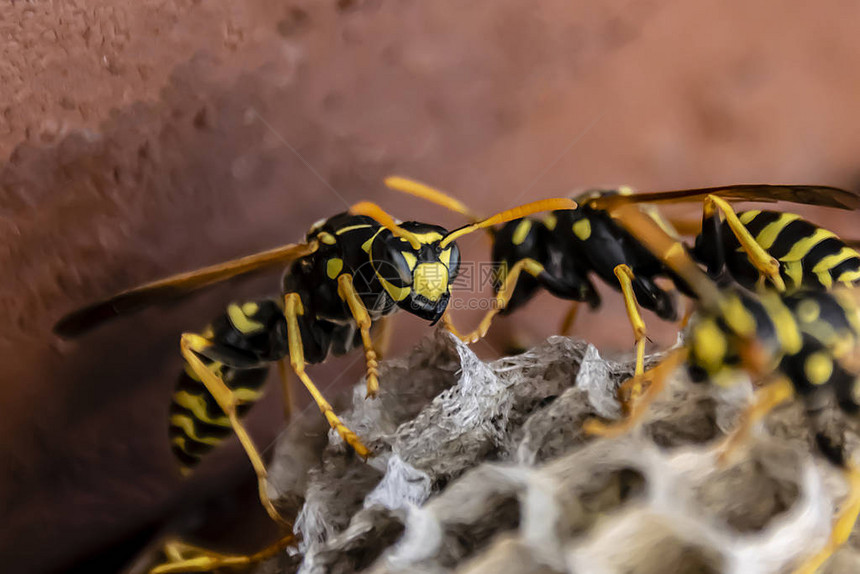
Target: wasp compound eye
393,261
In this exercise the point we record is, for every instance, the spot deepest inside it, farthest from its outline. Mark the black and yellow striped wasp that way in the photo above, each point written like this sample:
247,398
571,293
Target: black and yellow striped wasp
353,270
802,343
561,250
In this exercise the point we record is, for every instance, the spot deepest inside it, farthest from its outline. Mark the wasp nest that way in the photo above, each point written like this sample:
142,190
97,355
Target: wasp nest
484,468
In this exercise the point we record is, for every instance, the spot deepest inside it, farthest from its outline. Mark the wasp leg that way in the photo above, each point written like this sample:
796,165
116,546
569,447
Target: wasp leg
448,323
766,399
842,526
184,557
504,294
767,265
292,309
689,309
569,319
286,390
346,290
430,194
190,345
625,279
657,376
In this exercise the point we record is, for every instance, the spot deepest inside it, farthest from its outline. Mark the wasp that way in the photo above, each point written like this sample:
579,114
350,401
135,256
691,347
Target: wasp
560,251
792,344
353,270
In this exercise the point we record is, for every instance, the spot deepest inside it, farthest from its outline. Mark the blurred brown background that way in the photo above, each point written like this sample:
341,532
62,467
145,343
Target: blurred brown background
138,140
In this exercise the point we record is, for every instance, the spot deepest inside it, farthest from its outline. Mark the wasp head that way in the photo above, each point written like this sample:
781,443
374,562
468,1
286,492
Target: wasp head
418,277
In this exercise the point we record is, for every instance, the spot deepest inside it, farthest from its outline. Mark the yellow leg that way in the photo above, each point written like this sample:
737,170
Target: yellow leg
569,319
190,344
175,550
292,309
187,558
766,399
448,323
502,297
346,290
625,279
842,526
767,265
287,392
657,376
689,309
430,194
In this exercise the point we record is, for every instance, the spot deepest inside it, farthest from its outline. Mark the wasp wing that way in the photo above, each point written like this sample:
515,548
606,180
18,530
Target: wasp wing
806,194
91,316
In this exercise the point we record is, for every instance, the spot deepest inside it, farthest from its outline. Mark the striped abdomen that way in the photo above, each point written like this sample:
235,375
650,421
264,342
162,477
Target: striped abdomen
197,423
809,337
241,344
830,326
714,340
810,257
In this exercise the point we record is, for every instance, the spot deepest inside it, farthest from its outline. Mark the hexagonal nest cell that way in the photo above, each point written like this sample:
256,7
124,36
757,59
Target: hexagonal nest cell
484,468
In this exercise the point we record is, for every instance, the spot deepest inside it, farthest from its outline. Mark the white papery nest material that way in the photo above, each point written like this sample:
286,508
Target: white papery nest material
483,468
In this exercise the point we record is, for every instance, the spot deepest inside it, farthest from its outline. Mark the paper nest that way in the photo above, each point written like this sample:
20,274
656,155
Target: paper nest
483,468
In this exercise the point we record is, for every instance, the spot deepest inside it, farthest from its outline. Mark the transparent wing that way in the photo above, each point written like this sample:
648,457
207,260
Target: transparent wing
805,194
91,316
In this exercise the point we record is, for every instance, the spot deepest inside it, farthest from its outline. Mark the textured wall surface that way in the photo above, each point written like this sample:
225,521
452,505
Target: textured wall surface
140,139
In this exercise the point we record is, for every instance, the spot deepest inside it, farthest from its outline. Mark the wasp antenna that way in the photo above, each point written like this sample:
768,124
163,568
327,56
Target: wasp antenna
431,194
509,215
375,212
